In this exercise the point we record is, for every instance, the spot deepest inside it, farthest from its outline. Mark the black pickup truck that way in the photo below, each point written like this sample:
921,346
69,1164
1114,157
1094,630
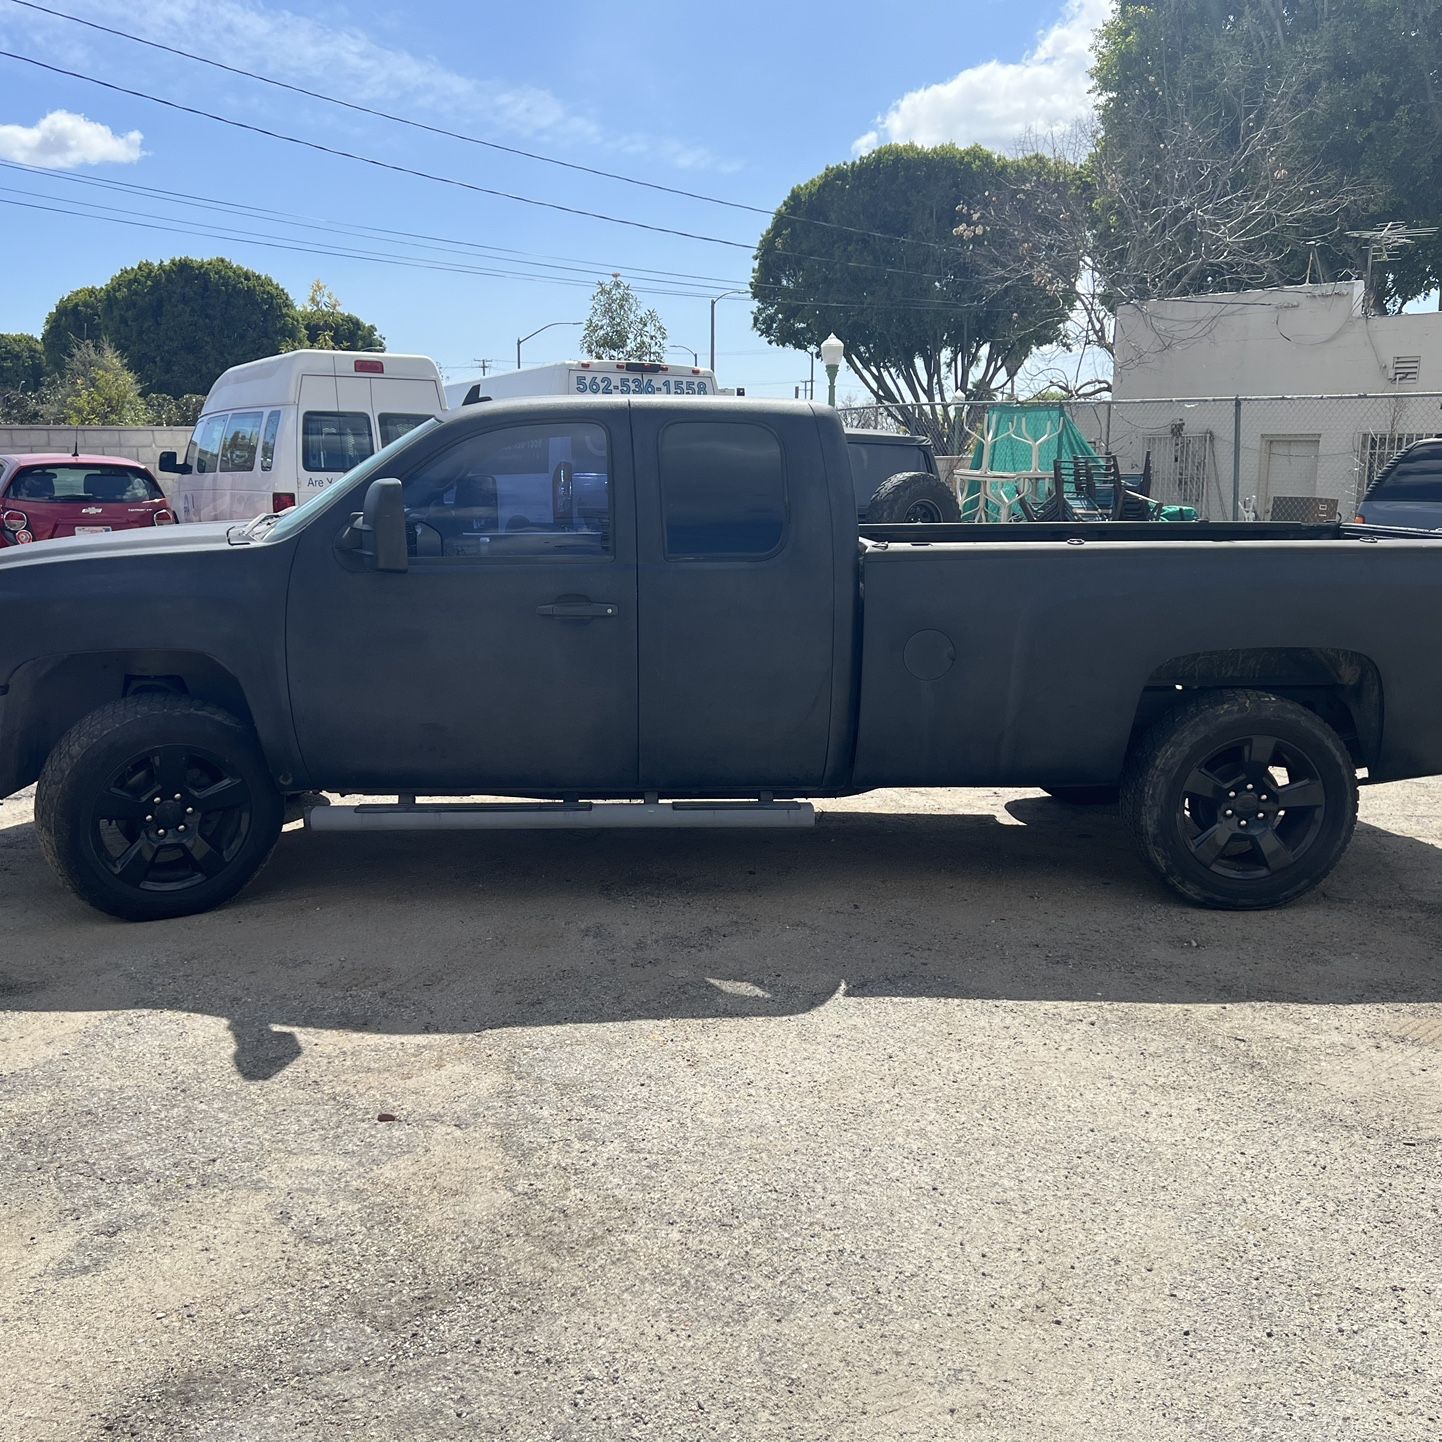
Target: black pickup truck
665,613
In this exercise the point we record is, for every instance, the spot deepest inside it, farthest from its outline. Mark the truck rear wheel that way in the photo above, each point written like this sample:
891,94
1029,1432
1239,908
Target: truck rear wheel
157,806
1241,800
913,497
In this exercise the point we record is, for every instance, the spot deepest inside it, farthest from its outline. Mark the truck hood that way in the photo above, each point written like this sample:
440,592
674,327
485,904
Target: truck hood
202,536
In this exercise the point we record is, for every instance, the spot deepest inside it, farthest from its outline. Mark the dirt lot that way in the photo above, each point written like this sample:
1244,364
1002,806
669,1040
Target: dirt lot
943,1121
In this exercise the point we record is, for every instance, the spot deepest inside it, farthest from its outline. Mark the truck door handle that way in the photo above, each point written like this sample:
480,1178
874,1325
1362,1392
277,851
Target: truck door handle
577,610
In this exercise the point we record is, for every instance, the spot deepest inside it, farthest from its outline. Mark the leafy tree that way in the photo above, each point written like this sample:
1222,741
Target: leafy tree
173,410
922,321
180,323
619,328
22,362
1240,142
96,388
76,317
330,327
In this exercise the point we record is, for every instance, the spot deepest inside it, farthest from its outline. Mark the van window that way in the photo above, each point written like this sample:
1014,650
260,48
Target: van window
203,453
335,440
267,441
394,425
242,437
723,489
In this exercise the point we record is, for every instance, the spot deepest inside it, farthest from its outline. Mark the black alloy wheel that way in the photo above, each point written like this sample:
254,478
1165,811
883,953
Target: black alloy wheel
157,806
171,818
1253,807
1241,800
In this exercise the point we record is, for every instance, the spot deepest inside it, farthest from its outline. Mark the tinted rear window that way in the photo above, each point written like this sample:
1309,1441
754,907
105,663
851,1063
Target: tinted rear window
873,462
1413,476
723,489
82,485
335,440
395,425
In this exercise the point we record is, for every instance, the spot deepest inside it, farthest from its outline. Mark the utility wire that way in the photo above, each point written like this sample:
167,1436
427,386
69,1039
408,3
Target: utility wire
146,220
418,239
442,179
458,135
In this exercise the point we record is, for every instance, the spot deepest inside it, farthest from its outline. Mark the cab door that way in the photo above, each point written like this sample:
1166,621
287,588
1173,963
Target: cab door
745,621
504,659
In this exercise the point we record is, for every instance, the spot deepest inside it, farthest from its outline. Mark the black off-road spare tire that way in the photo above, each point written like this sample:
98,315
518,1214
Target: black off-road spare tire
157,806
912,497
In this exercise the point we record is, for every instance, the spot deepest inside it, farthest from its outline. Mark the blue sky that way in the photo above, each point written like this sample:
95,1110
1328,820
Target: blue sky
738,102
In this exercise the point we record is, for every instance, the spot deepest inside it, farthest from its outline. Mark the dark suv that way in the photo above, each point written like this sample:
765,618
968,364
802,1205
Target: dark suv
1408,492
896,479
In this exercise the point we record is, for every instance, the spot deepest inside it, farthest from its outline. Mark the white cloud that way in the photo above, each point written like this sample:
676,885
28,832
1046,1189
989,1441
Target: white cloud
63,140
345,61
998,102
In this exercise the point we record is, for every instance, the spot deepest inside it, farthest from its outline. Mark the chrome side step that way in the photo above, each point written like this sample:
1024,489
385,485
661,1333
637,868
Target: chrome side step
558,815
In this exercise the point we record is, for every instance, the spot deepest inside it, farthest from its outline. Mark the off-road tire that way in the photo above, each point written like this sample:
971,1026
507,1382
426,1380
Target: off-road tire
1175,784
898,497
80,774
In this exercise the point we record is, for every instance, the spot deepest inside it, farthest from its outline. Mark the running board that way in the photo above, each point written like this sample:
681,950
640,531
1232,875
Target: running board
559,815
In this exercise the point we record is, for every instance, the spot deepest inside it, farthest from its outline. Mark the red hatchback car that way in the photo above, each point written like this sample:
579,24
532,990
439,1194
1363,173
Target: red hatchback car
45,497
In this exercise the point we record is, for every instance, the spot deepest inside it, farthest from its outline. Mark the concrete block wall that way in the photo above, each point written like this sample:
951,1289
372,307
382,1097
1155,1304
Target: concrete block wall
133,443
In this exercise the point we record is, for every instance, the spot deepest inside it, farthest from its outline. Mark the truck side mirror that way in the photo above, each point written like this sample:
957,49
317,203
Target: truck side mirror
378,533
167,462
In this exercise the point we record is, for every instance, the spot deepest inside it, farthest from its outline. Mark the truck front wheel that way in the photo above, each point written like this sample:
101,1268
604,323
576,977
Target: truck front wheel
157,806
1241,800
912,497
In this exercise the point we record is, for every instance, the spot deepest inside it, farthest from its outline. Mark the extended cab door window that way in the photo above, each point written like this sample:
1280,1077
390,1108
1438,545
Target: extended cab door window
519,491
723,491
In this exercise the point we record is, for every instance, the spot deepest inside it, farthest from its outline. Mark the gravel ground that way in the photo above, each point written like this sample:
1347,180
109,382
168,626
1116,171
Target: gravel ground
943,1121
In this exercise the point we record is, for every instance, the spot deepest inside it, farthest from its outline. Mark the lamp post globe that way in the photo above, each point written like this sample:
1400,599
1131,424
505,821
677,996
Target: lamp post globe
833,352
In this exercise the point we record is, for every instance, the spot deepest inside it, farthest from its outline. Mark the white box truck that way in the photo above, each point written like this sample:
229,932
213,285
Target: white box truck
274,431
586,378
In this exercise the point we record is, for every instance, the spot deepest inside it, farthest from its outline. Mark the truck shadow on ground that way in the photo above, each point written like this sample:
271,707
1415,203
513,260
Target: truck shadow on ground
464,933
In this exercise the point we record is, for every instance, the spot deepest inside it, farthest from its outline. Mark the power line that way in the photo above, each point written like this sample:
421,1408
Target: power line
146,220
440,179
418,238
467,139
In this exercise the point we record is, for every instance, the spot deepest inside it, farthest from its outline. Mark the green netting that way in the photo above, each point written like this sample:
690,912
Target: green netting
1007,442
1026,440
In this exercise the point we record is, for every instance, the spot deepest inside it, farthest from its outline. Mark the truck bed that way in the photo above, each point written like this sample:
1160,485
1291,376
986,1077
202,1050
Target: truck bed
1001,654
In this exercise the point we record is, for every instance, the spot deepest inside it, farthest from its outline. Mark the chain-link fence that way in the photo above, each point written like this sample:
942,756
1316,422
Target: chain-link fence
1229,457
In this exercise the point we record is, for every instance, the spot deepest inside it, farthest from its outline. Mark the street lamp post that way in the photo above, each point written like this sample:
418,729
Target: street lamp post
695,355
520,340
714,300
833,352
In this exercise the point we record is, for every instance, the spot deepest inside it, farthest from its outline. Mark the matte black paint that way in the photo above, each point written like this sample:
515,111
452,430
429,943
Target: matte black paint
1031,649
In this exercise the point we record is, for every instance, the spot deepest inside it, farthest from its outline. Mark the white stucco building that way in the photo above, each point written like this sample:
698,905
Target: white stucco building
1299,342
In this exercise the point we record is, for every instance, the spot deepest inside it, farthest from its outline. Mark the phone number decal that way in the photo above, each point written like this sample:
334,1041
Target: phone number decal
636,386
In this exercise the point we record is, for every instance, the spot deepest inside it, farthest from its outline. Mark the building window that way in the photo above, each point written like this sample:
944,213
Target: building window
1406,370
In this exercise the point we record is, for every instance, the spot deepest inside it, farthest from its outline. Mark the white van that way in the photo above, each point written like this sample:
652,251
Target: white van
276,430
586,378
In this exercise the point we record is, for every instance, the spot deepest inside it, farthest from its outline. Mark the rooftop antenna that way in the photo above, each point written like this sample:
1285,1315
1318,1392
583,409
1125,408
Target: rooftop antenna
1388,241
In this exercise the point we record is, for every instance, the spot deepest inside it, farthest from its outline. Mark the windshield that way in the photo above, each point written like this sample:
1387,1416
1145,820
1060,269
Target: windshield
299,516
84,485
